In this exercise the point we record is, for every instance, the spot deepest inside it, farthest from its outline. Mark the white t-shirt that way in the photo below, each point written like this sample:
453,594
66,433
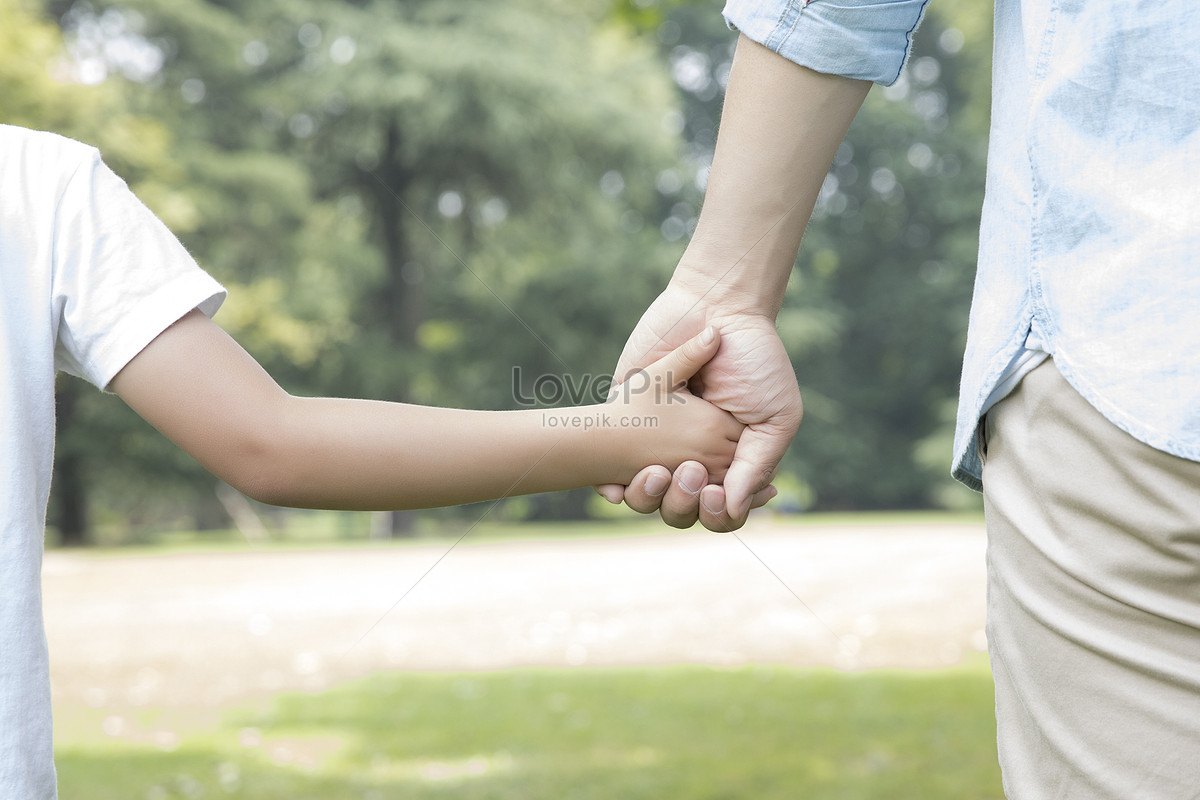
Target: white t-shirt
88,277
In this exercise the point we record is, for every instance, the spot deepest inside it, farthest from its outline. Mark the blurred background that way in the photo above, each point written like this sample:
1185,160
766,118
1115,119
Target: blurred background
405,196
392,191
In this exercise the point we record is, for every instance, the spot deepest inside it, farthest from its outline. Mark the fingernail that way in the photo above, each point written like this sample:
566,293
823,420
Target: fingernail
709,334
716,503
691,480
656,485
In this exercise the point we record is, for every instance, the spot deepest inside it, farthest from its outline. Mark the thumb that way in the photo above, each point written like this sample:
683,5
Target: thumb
755,463
612,492
679,365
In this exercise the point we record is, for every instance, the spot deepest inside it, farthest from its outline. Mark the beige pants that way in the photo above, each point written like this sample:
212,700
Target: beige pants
1093,602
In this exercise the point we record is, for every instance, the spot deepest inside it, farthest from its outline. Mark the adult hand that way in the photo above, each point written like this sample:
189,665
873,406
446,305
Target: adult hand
780,127
750,376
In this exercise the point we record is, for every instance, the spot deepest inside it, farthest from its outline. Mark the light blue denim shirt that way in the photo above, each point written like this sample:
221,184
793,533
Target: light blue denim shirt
1090,241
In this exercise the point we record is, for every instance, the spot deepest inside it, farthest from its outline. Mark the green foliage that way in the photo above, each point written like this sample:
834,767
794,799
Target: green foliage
876,314
406,200
36,75
679,732
409,200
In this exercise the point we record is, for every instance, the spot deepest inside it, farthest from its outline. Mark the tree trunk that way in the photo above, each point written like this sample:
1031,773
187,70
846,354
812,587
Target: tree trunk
69,487
401,295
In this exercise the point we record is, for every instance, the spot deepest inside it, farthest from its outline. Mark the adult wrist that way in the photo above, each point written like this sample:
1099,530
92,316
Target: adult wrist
730,284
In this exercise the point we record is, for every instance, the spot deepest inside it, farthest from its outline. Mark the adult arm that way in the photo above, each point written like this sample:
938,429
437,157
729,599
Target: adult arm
780,128
204,392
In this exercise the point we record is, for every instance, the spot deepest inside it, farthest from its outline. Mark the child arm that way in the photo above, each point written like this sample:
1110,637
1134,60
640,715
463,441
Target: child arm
204,392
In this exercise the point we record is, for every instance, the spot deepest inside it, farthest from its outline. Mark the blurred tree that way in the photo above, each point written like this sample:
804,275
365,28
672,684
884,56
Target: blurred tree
875,315
43,86
435,201
407,200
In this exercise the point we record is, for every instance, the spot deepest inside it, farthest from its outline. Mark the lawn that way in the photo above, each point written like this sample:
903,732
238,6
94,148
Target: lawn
667,733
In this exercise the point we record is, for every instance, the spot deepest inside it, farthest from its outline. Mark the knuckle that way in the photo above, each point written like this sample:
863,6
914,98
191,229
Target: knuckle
679,522
726,524
642,503
680,515
764,476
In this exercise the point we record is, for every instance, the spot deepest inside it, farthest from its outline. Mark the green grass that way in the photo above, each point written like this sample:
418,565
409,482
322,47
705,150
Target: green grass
673,733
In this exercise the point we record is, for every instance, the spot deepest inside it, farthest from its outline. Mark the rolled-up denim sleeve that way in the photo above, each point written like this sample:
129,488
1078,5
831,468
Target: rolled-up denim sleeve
864,39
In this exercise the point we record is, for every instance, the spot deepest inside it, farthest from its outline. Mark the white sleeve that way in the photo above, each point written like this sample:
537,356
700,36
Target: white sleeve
120,277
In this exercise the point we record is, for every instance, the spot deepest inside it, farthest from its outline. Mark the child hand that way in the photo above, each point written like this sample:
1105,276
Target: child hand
662,422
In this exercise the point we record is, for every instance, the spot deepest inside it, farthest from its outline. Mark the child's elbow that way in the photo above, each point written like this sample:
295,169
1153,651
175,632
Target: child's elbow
259,477
261,468
262,484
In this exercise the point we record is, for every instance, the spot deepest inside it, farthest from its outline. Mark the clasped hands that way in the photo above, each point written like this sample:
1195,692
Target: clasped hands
751,377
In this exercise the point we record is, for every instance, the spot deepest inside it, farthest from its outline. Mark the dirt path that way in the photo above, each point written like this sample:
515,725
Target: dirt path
203,630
